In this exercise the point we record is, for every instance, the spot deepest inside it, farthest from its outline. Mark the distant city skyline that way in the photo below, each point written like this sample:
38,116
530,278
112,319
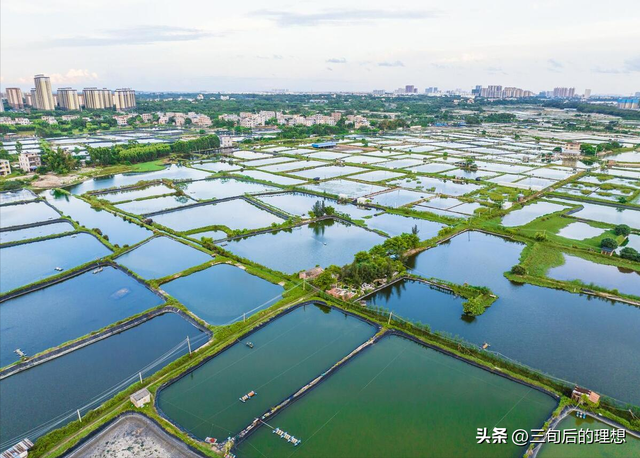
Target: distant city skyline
333,47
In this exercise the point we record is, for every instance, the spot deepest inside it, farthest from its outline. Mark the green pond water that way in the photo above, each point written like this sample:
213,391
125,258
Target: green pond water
288,353
401,399
628,449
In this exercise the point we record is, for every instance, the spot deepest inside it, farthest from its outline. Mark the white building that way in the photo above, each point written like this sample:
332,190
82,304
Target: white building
29,161
5,167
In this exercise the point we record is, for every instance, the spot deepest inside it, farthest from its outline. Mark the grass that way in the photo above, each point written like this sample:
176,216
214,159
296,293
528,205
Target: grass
152,166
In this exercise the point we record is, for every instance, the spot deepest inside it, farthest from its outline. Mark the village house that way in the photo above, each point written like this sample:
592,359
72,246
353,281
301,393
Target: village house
578,392
311,273
140,398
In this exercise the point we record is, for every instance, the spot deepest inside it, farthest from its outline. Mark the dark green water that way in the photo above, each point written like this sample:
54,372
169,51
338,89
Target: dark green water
162,256
401,399
64,311
29,262
287,353
628,449
222,293
47,396
324,243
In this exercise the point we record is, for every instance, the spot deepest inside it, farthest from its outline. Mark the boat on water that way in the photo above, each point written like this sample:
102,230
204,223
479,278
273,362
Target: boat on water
211,440
247,396
98,270
249,344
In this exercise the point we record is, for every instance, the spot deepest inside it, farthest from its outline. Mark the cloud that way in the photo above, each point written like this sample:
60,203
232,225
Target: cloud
139,35
340,60
496,70
396,63
341,17
555,64
632,65
73,76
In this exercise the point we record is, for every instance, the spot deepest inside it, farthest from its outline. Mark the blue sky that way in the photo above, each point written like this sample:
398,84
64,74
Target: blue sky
323,46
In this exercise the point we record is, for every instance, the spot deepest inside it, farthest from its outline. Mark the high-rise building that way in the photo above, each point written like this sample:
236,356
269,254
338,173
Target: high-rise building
410,89
97,99
125,99
587,93
44,96
564,92
68,99
14,98
431,90
1,104
34,99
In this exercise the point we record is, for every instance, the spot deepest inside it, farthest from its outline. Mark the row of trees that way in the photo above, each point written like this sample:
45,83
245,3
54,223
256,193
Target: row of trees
133,152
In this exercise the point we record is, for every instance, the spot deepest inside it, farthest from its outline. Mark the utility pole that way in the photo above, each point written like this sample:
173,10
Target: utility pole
244,317
79,417
140,374
189,345
390,315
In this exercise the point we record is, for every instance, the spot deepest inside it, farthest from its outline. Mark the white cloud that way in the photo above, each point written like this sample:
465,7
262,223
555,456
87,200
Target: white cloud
73,76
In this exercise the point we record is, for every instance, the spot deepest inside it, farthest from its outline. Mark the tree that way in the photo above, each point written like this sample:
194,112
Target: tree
588,149
58,161
415,230
630,254
18,147
622,229
518,270
318,209
609,243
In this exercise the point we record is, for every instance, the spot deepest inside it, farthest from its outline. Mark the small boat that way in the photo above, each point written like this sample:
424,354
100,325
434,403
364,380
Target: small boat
249,344
247,396
211,440
485,346
98,270
59,269
20,353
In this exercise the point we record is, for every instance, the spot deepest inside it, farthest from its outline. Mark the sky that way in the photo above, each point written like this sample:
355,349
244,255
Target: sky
329,45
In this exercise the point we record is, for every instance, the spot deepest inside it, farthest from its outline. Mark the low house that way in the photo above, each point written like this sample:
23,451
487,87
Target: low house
340,293
140,398
29,161
311,273
578,392
20,450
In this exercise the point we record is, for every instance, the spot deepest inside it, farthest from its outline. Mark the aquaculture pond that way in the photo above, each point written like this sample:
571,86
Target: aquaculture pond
70,309
606,214
23,214
221,188
119,231
20,195
215,235
29,262
264,176
395,225
348,188
530,212
611,277
580,231
630,448
216,166
398,197
323,243
47,396
526,318
287,353
223,293
173,172
436,185
234,214
142,207
300,204
377,175
34,232
162,256
400,398
136,193
329,171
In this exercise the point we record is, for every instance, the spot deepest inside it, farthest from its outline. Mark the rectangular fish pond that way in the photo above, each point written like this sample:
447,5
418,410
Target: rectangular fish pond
34,232
399,398
287,353
67,310
234,214
547,329
24,214
29,262
323,243
136,193
117,230
162,256
222,293
300,204
142,207
220,188
46,396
